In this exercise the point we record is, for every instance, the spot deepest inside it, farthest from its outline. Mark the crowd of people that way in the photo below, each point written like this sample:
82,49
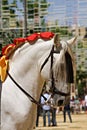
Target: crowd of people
78,105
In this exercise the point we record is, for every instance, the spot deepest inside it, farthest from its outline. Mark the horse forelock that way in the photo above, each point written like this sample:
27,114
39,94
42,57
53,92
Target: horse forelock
59,67
64,45
64,65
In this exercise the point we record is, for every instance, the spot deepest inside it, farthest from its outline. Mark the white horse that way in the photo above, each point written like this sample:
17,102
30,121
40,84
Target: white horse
17,110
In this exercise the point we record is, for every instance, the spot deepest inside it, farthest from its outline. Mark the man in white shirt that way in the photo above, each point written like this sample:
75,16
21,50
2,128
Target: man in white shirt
46,107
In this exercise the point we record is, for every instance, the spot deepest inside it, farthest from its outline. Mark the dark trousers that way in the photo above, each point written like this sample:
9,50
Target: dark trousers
54,117
69,115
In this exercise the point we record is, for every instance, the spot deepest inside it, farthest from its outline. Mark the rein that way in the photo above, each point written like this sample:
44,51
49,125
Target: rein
51,53
26,93
51,70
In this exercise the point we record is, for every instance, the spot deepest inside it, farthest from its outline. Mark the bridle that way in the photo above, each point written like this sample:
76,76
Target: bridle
53,88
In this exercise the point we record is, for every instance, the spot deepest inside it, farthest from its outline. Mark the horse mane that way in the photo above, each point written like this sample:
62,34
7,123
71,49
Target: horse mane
31,39
13,50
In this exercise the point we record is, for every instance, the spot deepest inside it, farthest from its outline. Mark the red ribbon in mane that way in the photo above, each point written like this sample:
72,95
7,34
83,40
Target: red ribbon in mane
19,40
31,39
43,35
7,48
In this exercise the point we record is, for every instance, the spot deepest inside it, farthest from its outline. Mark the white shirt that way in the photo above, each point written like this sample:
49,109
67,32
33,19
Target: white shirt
45,106
86,99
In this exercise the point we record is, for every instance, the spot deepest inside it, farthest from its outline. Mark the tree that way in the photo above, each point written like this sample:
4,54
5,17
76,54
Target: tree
81,81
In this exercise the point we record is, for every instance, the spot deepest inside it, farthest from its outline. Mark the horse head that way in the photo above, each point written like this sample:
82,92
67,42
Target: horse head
63,68
63,62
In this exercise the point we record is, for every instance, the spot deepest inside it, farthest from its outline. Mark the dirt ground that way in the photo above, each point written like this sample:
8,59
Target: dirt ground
79,123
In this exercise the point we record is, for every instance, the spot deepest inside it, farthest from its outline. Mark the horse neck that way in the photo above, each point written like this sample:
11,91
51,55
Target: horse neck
24,67
30,54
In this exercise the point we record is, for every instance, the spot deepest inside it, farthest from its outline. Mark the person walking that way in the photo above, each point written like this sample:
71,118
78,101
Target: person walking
72,104
53,110
67,109
46,107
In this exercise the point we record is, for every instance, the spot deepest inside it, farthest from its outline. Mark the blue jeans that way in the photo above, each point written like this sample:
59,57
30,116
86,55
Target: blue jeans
44,117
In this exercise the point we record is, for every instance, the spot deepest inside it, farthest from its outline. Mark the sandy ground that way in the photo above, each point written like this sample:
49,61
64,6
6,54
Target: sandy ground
79,123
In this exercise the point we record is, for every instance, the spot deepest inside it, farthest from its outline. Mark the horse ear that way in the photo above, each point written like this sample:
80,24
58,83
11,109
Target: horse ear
56,39
72,41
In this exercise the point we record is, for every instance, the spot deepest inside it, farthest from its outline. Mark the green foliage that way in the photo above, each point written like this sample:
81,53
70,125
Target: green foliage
80,44
81,81
63,31
81,90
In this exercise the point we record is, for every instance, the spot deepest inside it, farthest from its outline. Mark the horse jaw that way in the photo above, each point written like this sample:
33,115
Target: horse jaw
72,41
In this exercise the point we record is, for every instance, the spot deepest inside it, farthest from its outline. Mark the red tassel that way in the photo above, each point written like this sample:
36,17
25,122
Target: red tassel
32,38
19,40
46,35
